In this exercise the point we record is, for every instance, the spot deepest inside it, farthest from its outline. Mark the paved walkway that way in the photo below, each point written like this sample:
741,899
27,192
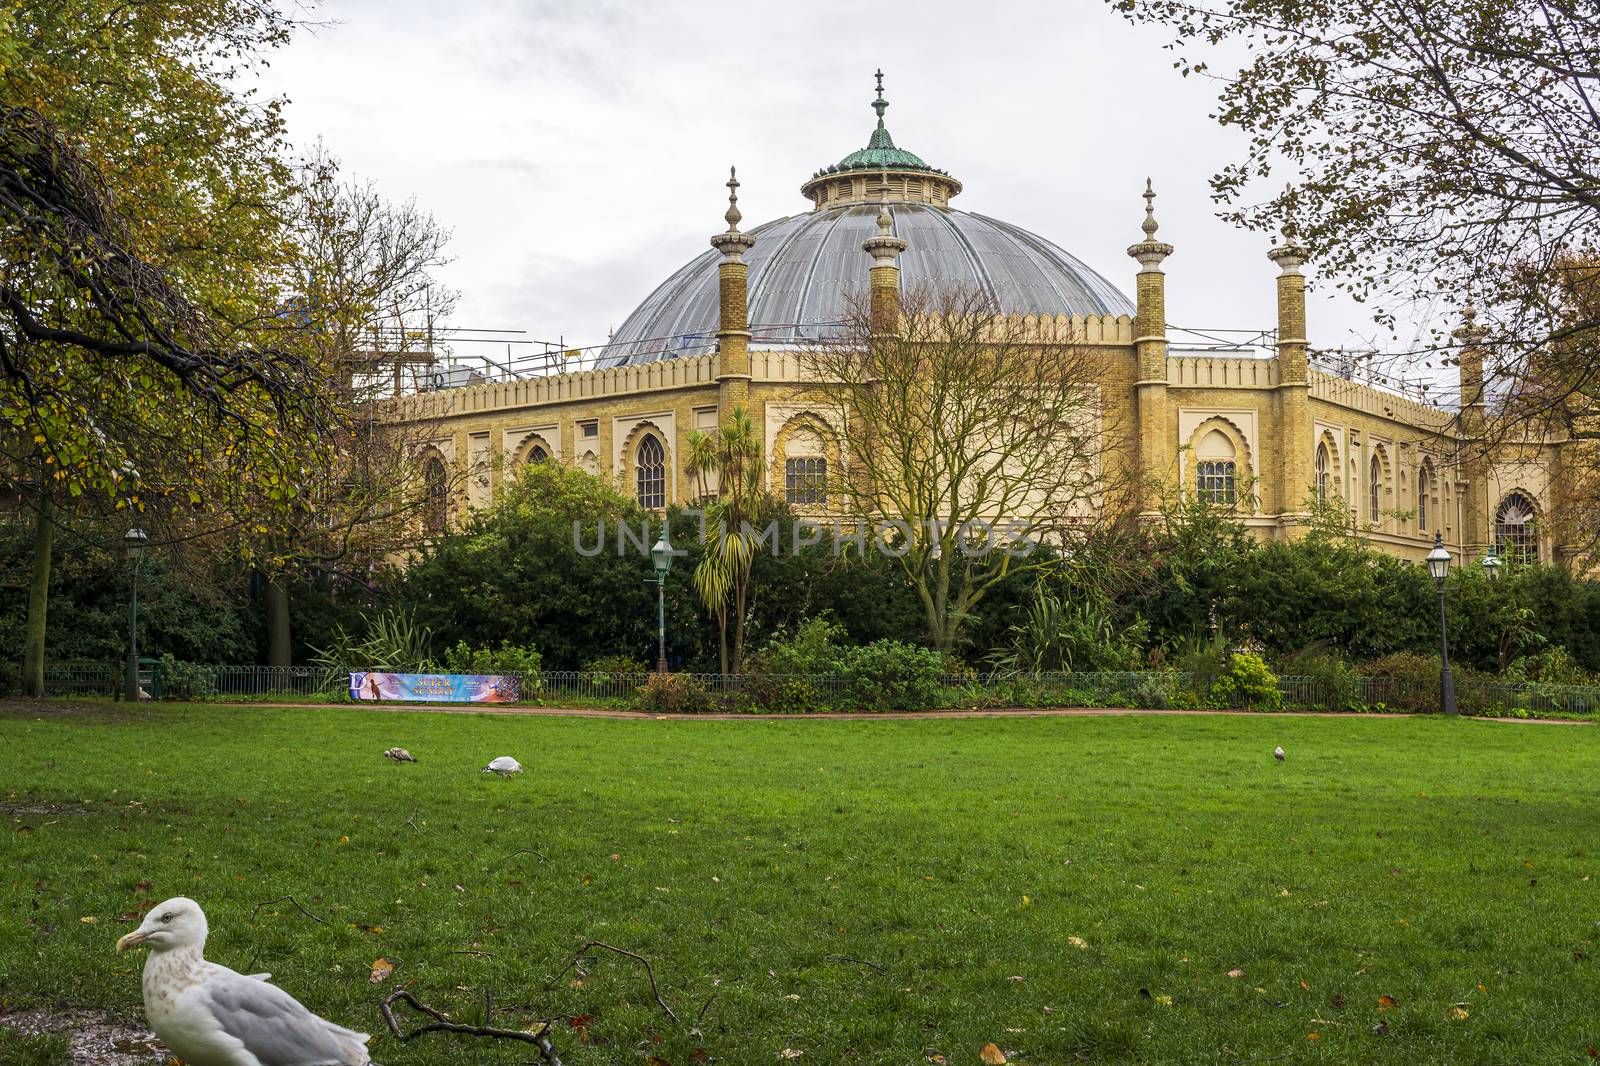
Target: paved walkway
853,716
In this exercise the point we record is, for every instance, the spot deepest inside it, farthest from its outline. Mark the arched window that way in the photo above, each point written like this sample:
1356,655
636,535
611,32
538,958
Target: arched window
1324,480
1216,472
1374,494
1516,535
805,480
650,473
436,497
537,454
1424,486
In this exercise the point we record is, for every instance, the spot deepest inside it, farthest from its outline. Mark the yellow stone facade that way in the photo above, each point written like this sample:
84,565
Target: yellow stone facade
1406,470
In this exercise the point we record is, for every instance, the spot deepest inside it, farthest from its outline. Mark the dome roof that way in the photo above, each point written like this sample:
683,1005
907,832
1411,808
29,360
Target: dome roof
805,268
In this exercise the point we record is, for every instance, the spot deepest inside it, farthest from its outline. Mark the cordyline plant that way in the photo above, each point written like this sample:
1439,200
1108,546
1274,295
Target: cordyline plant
731,473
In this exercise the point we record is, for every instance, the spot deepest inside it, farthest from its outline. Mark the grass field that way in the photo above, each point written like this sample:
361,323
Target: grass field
861,891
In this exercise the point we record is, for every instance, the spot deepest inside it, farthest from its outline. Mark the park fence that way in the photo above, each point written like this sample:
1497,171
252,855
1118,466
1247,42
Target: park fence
799,693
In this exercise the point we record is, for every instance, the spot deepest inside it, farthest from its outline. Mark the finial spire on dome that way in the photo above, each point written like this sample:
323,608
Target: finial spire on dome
1150,252
733,244
1150,224
880,104
733,215
884,246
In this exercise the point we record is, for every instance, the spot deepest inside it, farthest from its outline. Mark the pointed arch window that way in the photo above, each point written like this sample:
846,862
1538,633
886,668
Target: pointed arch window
1424,487
650,473
1516,535
1324,478
436,497
1374,492
805,480
537,454
1216,470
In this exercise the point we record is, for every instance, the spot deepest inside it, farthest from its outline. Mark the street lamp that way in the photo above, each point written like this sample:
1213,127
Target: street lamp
1439,567
134,541
661,558
1492,564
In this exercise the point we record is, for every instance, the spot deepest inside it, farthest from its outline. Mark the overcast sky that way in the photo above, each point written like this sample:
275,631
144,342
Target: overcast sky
577,148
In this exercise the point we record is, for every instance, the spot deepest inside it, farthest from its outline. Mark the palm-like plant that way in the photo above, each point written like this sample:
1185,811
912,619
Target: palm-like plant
730,469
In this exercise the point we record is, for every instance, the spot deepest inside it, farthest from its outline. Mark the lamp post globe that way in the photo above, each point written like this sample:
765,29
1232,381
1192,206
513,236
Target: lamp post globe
134,541
1491,564
1439,567
661,559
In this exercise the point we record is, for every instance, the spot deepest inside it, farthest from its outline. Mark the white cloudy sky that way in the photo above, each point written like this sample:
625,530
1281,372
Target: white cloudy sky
577,148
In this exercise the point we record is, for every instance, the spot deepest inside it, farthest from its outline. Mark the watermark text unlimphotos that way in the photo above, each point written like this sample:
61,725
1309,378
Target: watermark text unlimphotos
975,538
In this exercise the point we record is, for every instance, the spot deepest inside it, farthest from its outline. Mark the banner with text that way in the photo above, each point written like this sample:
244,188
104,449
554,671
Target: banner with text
436,688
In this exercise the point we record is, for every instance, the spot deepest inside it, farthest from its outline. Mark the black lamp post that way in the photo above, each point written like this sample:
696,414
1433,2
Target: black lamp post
661,558
134,540
1439,567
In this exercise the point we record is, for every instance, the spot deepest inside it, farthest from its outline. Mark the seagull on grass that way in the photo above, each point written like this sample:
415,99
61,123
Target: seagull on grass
503,765
210,1015
399,755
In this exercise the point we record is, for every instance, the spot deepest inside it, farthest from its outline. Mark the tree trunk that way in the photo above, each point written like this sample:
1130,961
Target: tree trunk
44,532
738,629
722,633
278,648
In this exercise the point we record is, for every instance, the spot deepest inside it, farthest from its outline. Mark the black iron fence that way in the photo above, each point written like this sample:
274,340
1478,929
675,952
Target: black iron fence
798,693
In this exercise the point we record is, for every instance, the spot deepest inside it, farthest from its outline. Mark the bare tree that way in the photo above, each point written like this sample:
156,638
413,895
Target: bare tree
1436,151
365,298
968,438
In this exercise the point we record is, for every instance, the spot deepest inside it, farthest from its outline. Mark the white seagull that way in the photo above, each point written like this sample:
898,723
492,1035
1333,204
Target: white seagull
1277,753
210,1015
503,765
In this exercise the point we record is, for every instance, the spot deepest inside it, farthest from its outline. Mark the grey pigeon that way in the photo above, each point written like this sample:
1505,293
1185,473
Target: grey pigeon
1277,753
210,1015
399,755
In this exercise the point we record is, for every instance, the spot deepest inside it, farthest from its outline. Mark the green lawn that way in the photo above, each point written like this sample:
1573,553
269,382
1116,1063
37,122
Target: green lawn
1451,865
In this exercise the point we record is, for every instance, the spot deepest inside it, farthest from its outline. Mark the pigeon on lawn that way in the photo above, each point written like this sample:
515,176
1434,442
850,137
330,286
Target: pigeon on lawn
399,755
1277,753
210,1015
503,765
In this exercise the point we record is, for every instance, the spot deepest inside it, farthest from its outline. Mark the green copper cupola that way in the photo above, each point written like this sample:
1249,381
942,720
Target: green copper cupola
878,171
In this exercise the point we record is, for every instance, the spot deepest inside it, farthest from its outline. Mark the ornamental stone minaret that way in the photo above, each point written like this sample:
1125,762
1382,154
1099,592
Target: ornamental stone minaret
1150,353
1296,437
885,249
733,323
1469,337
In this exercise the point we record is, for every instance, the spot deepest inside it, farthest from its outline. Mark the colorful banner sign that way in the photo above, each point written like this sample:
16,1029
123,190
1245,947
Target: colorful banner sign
436,688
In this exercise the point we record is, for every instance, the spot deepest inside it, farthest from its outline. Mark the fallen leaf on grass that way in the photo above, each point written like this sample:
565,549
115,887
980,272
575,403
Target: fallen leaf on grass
1457,1014
991,1056
1235,972
1381,1029
656,1060
1386,1001
381,969
1313,1036
790,1053
88,919
1078,942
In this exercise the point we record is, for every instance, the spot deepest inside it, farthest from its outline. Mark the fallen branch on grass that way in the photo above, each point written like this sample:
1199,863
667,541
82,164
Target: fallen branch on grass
281,899
649,971
442,1024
